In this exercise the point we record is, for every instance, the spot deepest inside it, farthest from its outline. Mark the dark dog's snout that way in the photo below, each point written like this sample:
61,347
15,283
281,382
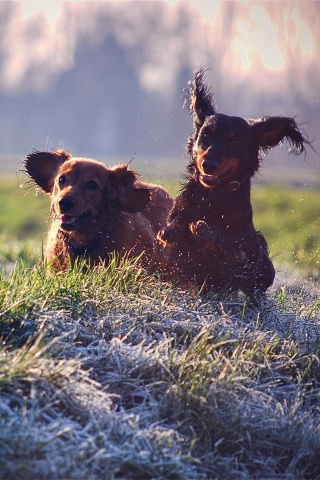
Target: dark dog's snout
66,203
209,166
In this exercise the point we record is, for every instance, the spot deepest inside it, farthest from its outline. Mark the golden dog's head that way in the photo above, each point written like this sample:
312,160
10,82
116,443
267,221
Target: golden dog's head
85,193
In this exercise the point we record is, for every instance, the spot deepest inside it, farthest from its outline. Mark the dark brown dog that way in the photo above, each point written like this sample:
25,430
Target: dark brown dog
210,238
97,210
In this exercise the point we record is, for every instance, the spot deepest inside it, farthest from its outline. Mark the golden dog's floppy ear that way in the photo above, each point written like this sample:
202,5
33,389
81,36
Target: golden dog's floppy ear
42,167
131,196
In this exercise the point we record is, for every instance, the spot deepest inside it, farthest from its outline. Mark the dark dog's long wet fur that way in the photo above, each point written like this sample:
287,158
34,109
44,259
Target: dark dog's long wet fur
210,238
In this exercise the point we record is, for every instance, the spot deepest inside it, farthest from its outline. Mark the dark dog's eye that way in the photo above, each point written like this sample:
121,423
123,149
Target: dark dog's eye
234,143
91,186
206,137
62,180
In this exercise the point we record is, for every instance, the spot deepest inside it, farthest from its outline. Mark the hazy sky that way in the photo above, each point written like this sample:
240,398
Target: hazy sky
267,50
256,37
52,8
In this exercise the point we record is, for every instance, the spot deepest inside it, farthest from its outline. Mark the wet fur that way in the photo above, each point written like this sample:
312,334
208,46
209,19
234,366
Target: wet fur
210,237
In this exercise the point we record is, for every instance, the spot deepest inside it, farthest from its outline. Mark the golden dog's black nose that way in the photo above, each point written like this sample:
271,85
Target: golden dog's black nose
66,203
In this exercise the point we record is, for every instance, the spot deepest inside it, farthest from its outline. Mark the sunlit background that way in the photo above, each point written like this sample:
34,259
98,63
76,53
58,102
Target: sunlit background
106,79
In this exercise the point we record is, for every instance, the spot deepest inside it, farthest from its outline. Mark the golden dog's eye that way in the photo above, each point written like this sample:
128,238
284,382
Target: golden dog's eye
91,185
62,180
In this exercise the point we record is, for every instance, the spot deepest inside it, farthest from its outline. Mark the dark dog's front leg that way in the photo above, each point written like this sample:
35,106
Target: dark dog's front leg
217,241
175,231
204,235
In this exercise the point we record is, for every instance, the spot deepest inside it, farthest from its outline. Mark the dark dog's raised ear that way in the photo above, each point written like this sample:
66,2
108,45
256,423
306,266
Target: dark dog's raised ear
201,101
42,167
131,196
268,132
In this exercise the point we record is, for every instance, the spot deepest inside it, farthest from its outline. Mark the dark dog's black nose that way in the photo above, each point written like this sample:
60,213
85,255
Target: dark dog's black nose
209,166
66,203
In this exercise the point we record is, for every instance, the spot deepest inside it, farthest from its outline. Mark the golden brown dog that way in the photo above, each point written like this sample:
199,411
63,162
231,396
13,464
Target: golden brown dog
97,210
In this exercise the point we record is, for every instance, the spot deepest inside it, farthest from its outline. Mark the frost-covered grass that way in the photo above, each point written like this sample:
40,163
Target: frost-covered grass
116,374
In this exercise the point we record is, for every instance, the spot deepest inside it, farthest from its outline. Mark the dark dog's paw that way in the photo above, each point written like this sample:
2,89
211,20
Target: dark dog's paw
167,235
175,231
200,229
203,234
171,234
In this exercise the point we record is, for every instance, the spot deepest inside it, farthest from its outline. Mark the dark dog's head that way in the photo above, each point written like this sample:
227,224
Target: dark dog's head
85,193
226,149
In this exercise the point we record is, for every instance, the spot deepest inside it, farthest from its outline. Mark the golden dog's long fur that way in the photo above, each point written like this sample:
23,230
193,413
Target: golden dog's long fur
97,210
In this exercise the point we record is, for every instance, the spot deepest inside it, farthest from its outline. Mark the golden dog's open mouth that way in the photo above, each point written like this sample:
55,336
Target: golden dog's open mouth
69,223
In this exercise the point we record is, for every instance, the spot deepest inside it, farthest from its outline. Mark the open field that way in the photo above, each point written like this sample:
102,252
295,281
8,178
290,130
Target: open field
116,374
289,217
294,171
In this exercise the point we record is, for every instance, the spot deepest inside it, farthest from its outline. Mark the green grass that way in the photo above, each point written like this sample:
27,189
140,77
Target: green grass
288,217
23,213
290,220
